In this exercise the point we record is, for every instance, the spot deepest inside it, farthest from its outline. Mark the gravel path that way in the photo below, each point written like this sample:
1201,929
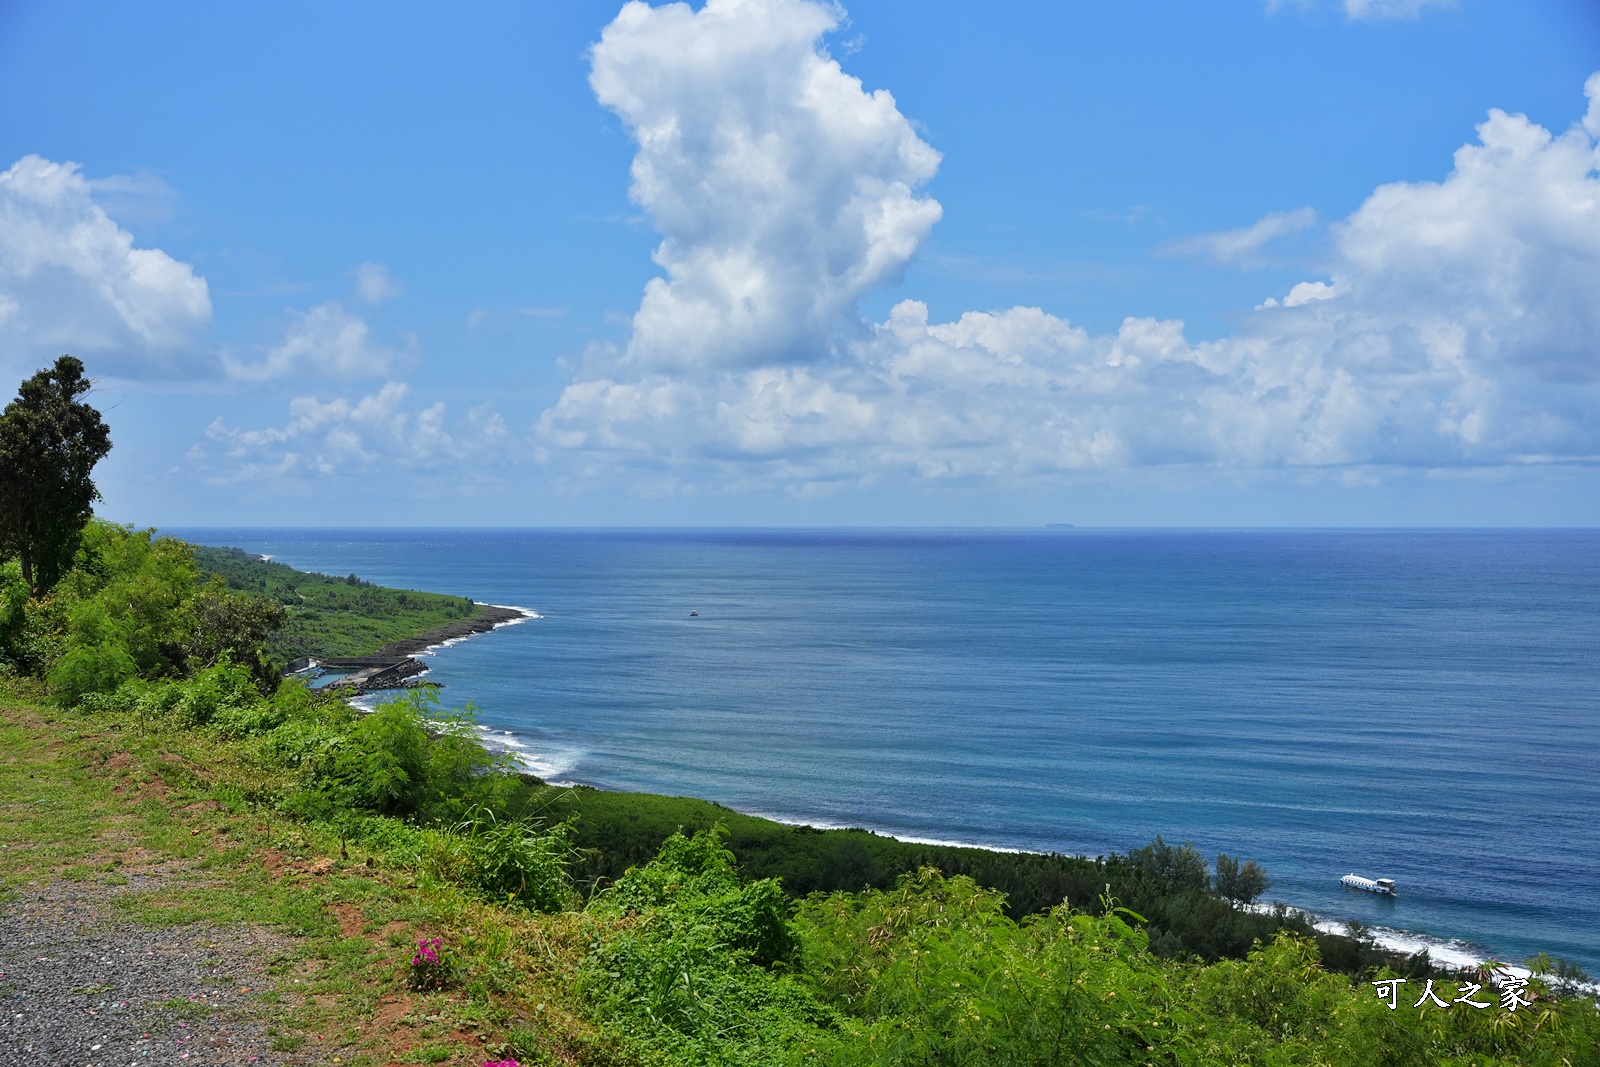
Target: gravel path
80,986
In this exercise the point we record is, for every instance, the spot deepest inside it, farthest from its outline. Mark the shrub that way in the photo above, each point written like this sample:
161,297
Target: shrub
223,692
692,963
21,645
408,758
99,668
505,860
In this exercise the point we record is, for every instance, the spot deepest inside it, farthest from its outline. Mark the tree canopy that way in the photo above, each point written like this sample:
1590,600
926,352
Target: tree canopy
49,443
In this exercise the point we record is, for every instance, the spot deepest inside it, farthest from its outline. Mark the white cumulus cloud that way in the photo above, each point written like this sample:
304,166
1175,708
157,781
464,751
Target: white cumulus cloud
342,437
1456,324
782,189
71,280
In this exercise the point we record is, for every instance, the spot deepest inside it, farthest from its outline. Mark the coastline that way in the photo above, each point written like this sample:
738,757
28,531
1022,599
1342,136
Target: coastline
396,666
488,618
1443,952
548,762
1452,953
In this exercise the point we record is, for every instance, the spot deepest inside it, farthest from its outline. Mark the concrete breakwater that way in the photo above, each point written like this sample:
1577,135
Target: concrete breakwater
371,673
394,665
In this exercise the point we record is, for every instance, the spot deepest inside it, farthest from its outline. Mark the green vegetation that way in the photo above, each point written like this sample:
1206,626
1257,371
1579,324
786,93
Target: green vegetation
1167,884
327,616
49,444
580,926
449,909
132,607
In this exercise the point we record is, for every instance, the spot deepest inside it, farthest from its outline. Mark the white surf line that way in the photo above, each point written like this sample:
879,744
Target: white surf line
367,702
815,824
526,615
1448,952
543,762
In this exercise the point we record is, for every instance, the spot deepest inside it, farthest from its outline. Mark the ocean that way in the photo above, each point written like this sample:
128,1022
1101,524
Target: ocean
1410,704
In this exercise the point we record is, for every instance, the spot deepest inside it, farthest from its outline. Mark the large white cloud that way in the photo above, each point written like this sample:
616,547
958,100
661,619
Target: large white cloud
1457,323
782,190
71,280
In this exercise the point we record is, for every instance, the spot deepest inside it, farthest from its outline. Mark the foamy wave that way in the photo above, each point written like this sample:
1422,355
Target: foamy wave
367,701
944,843
527,614
821,824
546,763
1447,952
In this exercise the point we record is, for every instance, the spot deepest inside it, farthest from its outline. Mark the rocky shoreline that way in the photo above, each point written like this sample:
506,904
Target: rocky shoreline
394,665
488,617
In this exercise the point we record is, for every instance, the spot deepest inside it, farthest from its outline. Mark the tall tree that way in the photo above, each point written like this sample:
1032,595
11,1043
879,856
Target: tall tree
1242,882
49,443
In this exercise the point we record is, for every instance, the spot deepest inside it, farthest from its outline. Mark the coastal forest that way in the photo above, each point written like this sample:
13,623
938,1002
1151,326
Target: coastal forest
326,616
449,908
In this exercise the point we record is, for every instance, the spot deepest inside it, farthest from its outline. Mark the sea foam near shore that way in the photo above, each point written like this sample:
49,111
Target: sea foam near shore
528,615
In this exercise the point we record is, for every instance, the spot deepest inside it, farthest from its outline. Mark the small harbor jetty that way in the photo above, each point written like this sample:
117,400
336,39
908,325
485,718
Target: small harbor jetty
371,673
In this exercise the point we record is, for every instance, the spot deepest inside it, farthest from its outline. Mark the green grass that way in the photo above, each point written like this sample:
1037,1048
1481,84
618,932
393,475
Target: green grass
102,800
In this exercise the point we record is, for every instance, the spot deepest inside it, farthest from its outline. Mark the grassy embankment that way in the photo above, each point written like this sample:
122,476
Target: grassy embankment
103,799
363,834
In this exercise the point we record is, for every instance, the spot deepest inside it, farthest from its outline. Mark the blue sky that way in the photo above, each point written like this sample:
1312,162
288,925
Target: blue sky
1238,263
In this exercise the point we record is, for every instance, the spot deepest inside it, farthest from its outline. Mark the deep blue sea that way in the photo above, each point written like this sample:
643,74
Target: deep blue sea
1419,705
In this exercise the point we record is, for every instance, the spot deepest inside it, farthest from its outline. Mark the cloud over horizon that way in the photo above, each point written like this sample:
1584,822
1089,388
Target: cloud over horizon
72,280
1391,9
1454,325
339,437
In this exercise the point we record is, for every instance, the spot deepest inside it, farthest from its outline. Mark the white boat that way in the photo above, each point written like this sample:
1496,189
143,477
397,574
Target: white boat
1382,886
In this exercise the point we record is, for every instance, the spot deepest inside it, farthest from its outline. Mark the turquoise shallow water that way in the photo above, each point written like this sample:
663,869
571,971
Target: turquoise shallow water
1413,704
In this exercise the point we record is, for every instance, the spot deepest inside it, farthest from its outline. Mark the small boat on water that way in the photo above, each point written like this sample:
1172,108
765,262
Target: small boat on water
692,614
1381,886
